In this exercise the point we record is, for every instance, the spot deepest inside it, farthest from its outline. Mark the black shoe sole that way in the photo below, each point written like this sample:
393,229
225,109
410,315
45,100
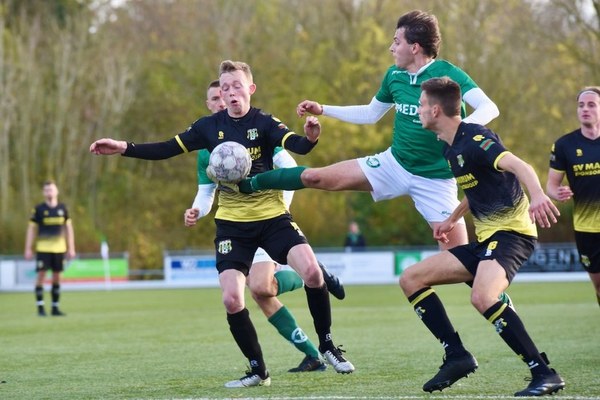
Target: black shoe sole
447,383
555,389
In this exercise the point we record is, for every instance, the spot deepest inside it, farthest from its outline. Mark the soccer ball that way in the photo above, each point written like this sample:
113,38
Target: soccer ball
229,162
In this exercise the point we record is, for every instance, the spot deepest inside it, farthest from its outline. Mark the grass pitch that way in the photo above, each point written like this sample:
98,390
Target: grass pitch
175,344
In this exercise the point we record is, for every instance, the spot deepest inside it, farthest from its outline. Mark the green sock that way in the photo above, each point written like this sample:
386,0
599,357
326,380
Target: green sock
288,281
281,178
287,327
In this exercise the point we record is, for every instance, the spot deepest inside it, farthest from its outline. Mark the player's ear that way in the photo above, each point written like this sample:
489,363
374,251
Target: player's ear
252,88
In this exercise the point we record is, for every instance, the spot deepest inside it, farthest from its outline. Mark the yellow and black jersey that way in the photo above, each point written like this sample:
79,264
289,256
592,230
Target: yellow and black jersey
579,158
259,132
496,199
50,222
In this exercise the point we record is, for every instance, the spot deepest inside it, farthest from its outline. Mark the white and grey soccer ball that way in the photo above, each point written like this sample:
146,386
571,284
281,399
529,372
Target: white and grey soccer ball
229,162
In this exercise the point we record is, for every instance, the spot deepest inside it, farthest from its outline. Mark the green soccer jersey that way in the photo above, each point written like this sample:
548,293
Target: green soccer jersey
415,148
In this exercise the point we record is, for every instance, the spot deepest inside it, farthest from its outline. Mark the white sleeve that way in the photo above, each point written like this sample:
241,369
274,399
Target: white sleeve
204,198
365,114
283,159
484,109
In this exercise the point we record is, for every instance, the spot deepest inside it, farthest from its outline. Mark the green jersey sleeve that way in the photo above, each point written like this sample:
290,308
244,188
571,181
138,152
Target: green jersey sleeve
203,156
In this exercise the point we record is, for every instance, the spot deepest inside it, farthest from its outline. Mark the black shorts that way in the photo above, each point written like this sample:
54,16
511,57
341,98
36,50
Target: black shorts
588,246
236,242
50,261
509,249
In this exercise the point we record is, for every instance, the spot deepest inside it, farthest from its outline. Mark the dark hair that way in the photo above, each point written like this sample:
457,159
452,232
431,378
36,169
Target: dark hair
445,92
213,84
594,89
422,28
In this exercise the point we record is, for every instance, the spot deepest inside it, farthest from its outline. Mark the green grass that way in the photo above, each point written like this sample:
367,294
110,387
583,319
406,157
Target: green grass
175,344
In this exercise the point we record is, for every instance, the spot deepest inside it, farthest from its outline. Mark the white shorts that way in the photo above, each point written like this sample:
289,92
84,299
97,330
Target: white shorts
262,256
434,199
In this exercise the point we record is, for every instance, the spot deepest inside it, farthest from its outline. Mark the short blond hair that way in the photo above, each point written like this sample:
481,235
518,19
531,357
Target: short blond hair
231,66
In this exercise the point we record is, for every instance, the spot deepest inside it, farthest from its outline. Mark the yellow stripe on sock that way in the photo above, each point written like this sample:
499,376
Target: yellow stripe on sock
495,315
422,296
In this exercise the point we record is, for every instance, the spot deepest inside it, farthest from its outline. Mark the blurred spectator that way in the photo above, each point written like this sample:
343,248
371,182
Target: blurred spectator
355,241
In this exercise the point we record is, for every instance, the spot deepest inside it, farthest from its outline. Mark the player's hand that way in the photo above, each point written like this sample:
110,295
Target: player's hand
312,129
543,211
108,146
71,254
441,230
190,216
308,106
564,193
28,254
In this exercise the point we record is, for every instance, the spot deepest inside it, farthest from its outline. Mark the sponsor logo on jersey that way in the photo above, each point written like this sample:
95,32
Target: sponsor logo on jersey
225,246
221,135
407,109
587,169
255,152
579,153
467,181
373,162
478,138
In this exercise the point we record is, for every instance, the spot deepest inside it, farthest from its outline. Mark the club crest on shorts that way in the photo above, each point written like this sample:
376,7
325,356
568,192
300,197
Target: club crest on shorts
225,246
373,162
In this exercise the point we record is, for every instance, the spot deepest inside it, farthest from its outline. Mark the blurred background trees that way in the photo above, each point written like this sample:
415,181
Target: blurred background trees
72,71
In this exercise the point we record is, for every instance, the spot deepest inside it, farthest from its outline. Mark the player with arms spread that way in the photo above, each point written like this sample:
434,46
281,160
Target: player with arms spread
282,280
414,164
245,223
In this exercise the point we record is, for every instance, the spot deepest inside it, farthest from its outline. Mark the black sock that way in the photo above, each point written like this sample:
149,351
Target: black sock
320,310
511,329
55,292
39,297
431,311
245,336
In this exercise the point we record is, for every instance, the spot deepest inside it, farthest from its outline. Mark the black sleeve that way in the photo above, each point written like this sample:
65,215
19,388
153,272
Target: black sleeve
154,151
299,144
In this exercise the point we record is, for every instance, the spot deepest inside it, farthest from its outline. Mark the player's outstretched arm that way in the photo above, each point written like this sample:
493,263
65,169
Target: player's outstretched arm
108,146
309,106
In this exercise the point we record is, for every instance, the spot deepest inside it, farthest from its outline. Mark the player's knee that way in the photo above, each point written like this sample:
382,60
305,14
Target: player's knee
410,280
233,303
481,301
313,276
